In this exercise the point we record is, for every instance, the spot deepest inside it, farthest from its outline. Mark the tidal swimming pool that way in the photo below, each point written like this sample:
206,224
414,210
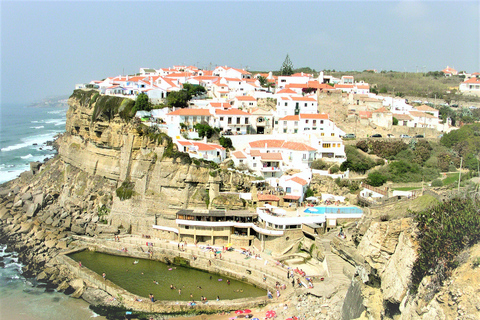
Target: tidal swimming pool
141,279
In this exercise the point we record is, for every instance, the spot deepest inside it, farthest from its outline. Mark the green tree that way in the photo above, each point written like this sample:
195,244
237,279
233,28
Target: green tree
376,179
143,102
178,99
225,142
308,193
204,129
194,89
395,121
287,67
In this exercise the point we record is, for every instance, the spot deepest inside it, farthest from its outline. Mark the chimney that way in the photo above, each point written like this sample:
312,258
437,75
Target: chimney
205,139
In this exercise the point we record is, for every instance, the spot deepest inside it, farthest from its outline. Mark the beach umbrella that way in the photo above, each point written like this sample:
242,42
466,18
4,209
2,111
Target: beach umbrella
312,199
247,311
312,210
255,319
270,314
239,311
289,319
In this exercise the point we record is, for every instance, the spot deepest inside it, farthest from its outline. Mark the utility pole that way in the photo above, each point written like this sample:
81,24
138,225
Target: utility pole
460,174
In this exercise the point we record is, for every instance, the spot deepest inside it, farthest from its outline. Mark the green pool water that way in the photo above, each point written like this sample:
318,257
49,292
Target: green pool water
141,278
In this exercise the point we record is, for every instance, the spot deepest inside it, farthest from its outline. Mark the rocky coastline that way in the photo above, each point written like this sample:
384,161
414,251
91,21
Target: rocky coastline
48,210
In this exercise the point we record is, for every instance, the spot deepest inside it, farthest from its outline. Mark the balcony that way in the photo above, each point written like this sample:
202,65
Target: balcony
270,169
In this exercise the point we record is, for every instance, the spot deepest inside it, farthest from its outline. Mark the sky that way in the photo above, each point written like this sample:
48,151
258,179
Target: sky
49,46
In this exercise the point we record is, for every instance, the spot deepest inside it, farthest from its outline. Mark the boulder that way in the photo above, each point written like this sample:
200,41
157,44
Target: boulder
78,229
18,203
26,196
32,209
50,243
396,275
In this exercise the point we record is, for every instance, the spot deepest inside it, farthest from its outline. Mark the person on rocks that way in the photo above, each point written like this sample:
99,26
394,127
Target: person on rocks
104,276
80,264
152,298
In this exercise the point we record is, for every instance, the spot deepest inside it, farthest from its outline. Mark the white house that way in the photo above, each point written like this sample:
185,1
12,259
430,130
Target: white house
283,81
244,102
233,120
188,117
202,150
269,158
382,117
261,121
470,86
424,108
294,105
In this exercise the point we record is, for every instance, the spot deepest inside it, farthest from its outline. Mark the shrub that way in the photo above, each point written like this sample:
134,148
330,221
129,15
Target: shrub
395,121
319,164
444,231
362,145
437,183
476,262
376,179
225,142
356,161
125,191
334,169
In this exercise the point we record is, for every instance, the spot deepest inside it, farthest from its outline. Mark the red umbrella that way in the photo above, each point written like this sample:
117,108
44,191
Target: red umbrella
289,319
239,311
247,311
270,314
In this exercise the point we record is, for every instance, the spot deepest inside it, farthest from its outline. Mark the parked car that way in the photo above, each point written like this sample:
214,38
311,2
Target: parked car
349,136
405,136
390,135
419,136
376,135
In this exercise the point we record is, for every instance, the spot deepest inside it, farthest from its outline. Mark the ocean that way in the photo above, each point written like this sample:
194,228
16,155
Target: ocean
24,132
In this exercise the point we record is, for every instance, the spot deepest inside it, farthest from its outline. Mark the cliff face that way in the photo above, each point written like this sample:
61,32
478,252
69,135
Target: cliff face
117,151
383,247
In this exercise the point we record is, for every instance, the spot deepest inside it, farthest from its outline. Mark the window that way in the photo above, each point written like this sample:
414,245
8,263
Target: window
314,122
229,120
305,104
295,131
332,134
241,160
322,134
304,156
306,121
285,104
288,190
284,123
238,120
254,164
326,145
285,130
321,121
246,120
296,123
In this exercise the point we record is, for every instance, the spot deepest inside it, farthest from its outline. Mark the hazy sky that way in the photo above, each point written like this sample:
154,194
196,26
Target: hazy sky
48,47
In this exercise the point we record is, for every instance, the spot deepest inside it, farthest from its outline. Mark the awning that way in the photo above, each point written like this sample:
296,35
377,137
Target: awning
291,197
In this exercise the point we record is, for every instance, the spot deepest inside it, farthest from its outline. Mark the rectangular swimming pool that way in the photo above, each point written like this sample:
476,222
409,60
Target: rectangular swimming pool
341,210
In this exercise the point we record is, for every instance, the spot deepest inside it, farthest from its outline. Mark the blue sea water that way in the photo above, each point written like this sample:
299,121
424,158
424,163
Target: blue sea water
323,210
24,132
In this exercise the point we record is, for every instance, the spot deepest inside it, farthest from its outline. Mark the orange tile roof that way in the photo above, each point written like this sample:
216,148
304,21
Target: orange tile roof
267,197
289,91
239,155
291,197
255,153
472,80
424,107
297,146
338,85
381,110
271,156
190,112
402,117
220,105
179,75
245,98
299,181
365,114
420,114
363,86
290,118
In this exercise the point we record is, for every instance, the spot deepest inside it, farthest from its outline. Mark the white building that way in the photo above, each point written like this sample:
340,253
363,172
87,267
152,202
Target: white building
202,150
294,105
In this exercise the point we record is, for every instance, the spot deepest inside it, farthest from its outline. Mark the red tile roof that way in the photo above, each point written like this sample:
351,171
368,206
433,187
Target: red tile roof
291,197
424,107
239,155
419,114
381,110
271,156
267,197
245,98
299,181
289,91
